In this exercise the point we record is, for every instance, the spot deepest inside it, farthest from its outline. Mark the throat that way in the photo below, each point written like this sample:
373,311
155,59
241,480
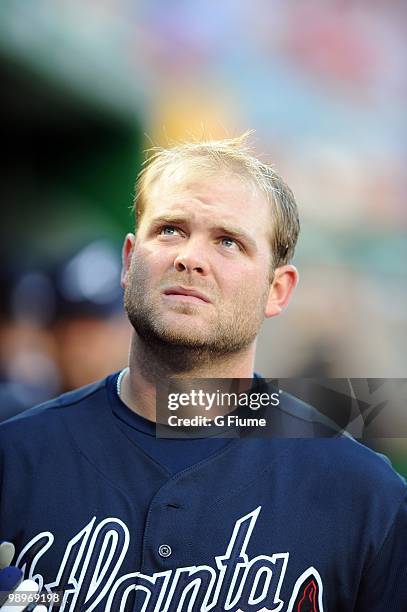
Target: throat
157,361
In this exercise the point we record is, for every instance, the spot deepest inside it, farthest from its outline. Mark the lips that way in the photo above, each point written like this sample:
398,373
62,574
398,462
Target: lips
186,292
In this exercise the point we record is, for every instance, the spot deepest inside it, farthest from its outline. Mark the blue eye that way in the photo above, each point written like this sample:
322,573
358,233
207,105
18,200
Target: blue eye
168,230
228,242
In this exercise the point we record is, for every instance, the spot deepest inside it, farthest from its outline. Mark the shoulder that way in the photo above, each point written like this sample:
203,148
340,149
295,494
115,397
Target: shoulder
52,413
318,450
345,456
360,480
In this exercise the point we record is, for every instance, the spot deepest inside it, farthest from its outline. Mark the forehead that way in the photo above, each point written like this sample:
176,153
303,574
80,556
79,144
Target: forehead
210,196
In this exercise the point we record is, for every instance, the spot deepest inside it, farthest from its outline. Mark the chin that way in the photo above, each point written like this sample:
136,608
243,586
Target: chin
178,335
184,333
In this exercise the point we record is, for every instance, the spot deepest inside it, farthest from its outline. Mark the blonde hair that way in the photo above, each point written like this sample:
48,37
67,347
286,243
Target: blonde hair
235,156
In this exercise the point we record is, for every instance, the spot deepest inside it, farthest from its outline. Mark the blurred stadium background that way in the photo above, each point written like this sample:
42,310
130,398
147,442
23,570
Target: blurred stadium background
88,85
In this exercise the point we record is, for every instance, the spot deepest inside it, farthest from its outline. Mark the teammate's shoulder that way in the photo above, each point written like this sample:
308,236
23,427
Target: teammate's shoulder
66,403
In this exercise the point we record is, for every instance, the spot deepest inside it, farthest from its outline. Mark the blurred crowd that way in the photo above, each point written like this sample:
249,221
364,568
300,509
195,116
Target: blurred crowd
61,326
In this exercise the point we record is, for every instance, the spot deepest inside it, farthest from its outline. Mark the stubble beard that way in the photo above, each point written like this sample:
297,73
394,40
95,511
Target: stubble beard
187,346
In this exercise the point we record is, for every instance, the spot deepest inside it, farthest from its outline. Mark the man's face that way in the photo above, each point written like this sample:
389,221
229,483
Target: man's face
199,273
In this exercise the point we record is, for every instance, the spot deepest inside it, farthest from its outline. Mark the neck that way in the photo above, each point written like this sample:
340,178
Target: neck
150,365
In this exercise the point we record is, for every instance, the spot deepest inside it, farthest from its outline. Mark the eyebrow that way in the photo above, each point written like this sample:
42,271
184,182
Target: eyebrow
239,234
169,218
229,230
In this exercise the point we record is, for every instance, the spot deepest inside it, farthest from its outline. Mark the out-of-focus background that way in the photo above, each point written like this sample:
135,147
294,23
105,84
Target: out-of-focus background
87,85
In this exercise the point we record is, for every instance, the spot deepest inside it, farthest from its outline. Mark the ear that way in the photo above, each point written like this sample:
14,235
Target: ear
284,282
127,252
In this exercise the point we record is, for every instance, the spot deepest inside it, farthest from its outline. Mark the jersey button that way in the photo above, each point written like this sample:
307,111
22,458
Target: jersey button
165,550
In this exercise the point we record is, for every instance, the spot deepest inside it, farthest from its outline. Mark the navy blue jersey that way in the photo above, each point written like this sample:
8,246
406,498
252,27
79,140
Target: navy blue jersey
171,453
281,524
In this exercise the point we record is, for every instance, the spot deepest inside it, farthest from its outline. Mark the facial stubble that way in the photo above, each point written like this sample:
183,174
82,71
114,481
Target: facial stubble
231,330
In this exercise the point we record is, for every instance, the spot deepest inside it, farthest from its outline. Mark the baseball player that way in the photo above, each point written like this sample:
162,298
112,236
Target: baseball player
105,515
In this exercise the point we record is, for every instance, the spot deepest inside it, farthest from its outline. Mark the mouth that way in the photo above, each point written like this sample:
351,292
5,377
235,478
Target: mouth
185,294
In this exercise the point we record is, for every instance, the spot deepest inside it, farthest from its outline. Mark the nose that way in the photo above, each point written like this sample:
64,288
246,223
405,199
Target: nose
191,258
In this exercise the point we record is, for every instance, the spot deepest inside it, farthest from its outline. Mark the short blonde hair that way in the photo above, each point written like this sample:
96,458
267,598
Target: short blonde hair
235,156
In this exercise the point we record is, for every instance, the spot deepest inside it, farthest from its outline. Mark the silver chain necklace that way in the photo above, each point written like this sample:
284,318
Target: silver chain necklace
119,381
